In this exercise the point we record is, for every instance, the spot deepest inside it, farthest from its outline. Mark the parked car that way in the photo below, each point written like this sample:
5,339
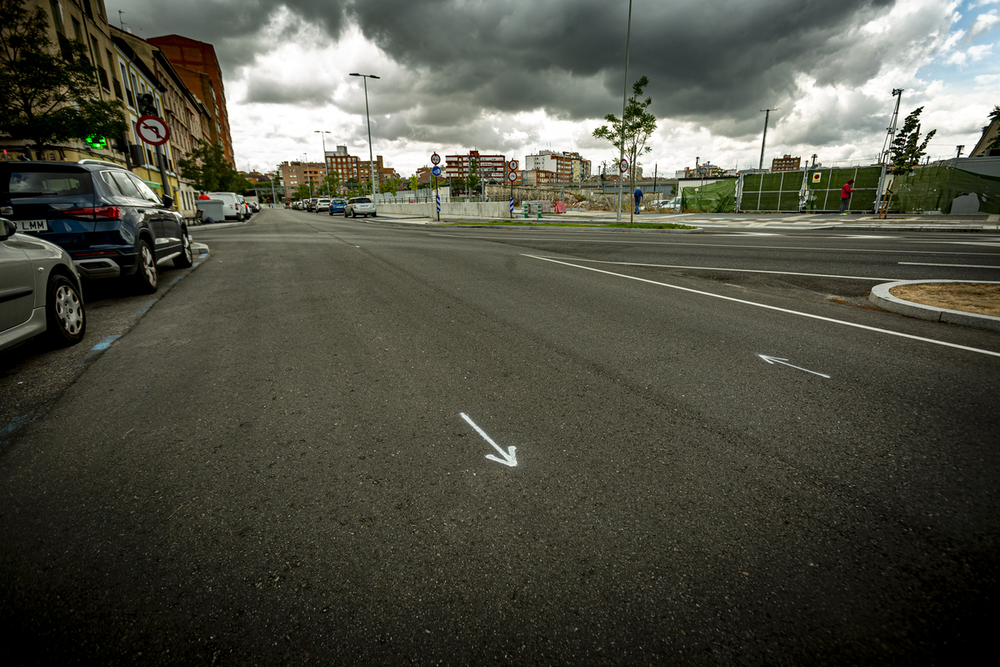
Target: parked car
322,204
232,206
337,205
359,206
108,219
40,290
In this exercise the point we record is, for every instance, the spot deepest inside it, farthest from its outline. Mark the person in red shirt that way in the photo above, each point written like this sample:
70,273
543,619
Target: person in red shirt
845,195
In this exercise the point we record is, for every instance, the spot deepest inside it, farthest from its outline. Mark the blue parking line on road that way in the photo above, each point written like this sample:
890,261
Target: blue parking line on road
98,349
146,306
176,280
7,432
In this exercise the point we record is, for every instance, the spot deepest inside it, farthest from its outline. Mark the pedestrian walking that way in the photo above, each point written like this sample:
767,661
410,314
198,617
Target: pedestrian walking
638,199
845,195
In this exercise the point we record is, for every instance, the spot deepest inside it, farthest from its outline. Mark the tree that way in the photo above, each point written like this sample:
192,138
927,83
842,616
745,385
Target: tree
631,135
209,171
472,182
414,183
392,185
45,92
302,192
331,182
907,149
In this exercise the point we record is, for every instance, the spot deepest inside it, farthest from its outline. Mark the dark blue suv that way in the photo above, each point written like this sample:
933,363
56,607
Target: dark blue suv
108,219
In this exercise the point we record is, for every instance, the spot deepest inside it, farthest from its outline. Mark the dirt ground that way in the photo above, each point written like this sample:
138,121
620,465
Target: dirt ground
981,298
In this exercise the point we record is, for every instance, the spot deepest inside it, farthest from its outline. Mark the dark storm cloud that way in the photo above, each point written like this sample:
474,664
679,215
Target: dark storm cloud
714,62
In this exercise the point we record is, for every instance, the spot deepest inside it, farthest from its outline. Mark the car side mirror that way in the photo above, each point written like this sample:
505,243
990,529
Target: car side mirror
7,229
168,201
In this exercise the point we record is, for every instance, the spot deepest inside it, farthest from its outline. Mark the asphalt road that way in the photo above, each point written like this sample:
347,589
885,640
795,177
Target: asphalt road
271,464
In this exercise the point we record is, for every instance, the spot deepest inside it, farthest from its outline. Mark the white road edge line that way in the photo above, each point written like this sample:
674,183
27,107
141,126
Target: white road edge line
776,308
715,268
509,457
961,266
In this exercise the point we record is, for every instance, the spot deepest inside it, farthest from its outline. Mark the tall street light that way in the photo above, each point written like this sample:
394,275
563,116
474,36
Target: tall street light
621,157
322,134
371,157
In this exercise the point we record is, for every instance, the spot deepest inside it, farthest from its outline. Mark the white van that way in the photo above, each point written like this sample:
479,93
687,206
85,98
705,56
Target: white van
231,204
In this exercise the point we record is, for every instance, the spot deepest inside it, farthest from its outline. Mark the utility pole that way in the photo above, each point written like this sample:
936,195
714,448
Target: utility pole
959,151
814,156
763,141
884,156
621,157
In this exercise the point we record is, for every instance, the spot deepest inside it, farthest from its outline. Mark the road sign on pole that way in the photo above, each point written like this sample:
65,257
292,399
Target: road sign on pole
623,165
152,130
435,159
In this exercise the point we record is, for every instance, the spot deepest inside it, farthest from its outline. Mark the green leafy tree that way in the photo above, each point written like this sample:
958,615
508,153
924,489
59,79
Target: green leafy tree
331,183
392,185
209,171
907,149
302,192
632,135
414,183
45,92
473,181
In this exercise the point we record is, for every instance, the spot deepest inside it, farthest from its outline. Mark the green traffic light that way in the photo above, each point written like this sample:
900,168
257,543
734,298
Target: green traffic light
96,141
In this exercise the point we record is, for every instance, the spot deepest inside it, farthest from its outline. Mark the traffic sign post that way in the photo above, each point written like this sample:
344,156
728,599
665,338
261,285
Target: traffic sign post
436,172
154,131
512,177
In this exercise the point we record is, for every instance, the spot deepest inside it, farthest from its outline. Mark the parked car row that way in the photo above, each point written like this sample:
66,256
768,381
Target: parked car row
336,206
65,221
234,206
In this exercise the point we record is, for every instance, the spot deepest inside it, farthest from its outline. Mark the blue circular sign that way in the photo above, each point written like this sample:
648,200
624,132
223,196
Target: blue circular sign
436,170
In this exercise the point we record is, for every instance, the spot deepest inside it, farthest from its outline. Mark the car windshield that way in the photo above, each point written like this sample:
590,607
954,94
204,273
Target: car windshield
338,201
48,183
362,200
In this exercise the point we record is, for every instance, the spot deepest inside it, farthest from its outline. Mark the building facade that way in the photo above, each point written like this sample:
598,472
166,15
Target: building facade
488,167
198,66
296,173
568,167
786,163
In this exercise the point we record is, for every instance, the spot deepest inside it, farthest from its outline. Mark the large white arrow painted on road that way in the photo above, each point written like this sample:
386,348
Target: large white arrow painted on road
509,458
784,362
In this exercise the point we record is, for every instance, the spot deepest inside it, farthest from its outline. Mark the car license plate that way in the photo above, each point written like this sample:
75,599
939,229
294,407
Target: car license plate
32,225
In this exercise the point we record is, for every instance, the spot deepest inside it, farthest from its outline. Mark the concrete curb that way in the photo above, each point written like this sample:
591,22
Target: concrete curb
881,297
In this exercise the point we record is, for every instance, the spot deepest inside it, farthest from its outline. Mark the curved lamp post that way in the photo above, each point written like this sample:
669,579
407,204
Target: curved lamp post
371,158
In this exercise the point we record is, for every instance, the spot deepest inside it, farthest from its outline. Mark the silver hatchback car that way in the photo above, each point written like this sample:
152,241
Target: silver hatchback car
359,206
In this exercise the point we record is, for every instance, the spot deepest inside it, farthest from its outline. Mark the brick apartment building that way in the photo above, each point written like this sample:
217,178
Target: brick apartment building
487,166
296,173
786,163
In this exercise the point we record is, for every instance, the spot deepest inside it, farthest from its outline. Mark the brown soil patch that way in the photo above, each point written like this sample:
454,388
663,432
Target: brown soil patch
981,298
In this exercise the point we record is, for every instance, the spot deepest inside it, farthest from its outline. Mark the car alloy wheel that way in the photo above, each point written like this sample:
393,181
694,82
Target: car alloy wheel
186,258
64,311
146,275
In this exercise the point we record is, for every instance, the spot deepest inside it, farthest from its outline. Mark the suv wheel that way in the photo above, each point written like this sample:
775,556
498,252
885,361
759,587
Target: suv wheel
186,258
64,316
146,277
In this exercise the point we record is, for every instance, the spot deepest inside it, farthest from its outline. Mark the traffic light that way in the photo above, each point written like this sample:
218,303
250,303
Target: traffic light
147,106
95,141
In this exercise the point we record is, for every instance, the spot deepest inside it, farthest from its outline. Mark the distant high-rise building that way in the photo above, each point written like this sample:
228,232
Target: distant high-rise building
786,163
567,167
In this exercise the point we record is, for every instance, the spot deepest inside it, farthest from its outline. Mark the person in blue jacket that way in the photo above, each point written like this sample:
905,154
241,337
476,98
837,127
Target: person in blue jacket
638,199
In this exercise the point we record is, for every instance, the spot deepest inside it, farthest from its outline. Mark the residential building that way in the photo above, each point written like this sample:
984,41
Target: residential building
488,167
344,165
538,177
786,163
199,68
568,167
296,173
990,132
185,114
706,170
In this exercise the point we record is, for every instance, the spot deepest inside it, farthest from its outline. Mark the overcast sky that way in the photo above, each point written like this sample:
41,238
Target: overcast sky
517,76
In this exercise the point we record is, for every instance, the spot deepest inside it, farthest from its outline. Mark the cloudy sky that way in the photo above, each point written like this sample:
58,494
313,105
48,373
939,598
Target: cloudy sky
517,76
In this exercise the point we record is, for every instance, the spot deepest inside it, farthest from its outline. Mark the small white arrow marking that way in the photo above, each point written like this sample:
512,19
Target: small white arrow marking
509,459
784,362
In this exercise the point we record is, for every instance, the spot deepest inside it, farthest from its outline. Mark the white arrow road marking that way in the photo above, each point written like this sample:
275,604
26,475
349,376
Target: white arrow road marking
784,362
509,458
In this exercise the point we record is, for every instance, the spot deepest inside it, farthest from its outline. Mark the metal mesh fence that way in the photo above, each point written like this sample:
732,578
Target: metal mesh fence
815,190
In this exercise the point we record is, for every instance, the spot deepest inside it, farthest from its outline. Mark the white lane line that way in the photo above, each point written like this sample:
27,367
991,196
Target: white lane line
716,268
960,266
509,457
645,241
766,306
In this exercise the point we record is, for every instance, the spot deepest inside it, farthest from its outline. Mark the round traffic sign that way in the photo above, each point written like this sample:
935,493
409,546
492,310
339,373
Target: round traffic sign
512,176
513,165
436,170
152,130
435,159
623,165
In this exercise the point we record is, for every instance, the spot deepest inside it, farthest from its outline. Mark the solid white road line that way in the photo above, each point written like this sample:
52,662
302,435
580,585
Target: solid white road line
776,308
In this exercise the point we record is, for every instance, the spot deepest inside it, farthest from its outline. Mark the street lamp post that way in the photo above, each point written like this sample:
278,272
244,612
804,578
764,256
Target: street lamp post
371,157
322,134
621,157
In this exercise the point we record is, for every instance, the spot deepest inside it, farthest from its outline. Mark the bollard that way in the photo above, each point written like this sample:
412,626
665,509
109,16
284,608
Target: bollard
539,212
525,207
